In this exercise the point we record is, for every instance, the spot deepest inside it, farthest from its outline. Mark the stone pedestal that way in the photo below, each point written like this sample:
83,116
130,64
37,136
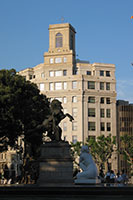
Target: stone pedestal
56,165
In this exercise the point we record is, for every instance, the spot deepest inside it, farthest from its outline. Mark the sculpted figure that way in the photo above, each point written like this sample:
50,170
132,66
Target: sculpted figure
88,166
51,124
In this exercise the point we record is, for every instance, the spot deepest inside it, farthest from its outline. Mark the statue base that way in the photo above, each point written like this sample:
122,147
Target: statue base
56,164
87,181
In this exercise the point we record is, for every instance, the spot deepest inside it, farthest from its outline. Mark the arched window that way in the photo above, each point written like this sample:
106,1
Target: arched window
58,40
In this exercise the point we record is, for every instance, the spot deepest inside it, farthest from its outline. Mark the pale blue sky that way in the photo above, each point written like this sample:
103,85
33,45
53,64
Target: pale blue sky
104,34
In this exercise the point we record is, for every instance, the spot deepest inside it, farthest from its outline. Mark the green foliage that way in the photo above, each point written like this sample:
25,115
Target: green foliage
75,151
101,148
22,108
126,149
76,148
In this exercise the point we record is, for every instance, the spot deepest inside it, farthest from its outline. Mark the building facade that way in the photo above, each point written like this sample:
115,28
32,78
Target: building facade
87,91
13,159
124,126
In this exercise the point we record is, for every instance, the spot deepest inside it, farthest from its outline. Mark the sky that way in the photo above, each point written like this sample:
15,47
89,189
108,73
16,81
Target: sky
104,34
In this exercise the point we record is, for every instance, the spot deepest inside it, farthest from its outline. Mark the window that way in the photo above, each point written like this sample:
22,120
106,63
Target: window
2,157
107,73
51,86
65,85
58,60
91,126
58,40
107,86
91,85
102,126
101,73
91,112
65,59
91,99
102,112
51,60
58,86
51,73
30,77
74,99
74,112
102,100
108,114
88,73
74,139
64,100
75,71
108,126
101,85
42,75
58,73
65,126
74,84
107,100
74,126
64,72
41,86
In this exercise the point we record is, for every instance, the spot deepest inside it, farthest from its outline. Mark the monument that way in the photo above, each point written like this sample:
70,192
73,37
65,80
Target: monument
89,174
55,162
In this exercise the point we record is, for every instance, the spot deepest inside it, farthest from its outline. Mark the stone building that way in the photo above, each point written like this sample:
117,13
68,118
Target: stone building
12,158
124,126
87,91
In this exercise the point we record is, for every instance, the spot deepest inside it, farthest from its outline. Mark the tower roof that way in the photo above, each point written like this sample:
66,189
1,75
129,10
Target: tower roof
60,26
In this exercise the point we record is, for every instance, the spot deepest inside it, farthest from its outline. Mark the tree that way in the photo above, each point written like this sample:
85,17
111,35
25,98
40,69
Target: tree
75,152
102,149
22,108
126,149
